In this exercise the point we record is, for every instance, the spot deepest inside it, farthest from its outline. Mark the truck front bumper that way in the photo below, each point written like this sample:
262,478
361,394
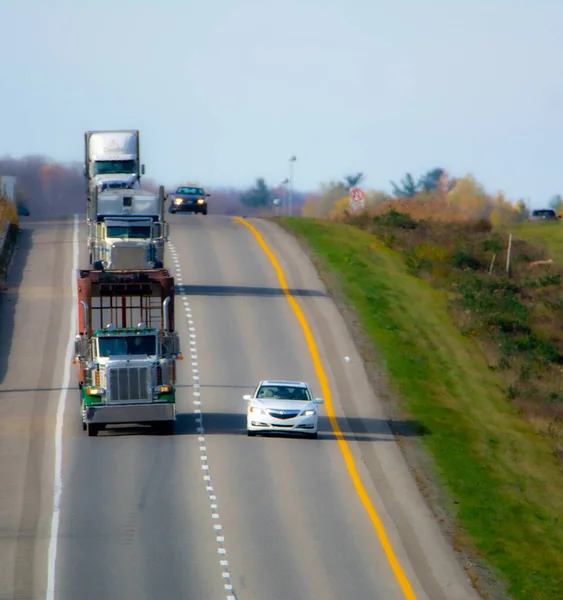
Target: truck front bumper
130,413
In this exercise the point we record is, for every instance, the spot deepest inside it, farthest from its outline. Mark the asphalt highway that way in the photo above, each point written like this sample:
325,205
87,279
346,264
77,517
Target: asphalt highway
207,513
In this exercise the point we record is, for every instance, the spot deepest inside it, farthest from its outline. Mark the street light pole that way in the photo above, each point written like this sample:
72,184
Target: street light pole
284,194
291,161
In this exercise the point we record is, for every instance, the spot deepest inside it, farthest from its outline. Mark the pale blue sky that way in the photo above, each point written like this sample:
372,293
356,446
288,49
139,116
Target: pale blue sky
224,91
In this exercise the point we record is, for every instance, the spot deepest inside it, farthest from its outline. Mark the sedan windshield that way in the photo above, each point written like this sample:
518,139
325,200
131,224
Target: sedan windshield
283,392
122,345
108,167
132,232
190,191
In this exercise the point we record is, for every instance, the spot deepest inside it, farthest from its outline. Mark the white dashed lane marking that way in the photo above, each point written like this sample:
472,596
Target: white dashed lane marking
210,490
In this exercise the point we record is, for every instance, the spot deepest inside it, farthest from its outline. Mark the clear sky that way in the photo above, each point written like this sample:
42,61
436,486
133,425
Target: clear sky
224,91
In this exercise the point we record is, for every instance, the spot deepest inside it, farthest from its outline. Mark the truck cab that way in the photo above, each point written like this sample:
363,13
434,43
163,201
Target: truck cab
133,243
112,160
126,229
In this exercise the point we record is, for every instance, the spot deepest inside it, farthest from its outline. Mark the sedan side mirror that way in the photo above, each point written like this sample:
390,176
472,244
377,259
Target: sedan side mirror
319,401
247,397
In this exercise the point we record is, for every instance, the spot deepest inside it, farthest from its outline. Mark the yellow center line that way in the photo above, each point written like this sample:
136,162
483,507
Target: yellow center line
342,443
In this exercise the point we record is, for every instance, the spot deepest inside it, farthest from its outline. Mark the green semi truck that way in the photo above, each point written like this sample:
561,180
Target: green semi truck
126,349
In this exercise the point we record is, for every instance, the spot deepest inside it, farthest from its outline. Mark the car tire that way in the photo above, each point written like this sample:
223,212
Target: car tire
250,433
92,429
313,436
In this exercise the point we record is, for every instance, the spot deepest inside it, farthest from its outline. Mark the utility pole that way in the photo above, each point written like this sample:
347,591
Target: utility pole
291,161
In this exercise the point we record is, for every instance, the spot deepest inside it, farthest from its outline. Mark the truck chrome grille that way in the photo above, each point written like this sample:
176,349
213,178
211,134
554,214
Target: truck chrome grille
128,257
128,384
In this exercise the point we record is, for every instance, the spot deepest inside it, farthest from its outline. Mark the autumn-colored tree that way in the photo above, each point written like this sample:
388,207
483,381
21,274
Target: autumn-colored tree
321,205
471,198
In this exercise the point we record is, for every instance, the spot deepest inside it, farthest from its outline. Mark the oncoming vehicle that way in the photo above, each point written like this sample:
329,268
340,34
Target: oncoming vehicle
189,199
544,214
282,406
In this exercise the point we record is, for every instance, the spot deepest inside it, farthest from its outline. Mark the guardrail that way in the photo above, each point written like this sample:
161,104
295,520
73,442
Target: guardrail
7,245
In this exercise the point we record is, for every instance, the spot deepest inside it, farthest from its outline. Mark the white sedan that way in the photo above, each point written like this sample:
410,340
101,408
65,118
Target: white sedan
282,406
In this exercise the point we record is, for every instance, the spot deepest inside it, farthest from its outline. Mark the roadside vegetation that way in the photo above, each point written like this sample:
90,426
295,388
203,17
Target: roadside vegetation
8,212
473,351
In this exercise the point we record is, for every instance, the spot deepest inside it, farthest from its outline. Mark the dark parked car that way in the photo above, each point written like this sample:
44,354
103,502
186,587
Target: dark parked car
189,199
544,214
23,211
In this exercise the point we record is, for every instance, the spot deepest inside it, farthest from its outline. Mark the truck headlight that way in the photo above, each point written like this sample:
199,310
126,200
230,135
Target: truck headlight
178,201
95,391
200,200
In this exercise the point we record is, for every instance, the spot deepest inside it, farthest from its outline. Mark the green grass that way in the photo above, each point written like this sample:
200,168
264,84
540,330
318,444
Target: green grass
504,476
548,234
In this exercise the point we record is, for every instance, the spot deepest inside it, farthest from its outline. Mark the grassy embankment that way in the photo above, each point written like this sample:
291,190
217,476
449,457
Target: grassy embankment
461,351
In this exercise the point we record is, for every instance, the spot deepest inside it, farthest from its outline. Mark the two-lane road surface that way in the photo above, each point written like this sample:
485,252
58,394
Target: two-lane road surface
207,513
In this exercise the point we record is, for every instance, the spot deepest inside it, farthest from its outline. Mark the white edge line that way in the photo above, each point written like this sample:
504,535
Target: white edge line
57,475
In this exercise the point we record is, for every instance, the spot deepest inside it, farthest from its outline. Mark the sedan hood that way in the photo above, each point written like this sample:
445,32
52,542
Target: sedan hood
282,404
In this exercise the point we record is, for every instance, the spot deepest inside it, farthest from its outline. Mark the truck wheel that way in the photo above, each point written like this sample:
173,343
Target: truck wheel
166,427
97,265
92,429
204,211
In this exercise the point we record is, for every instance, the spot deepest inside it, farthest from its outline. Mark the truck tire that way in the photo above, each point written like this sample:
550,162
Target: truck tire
97,265
92,429
166,427
204,211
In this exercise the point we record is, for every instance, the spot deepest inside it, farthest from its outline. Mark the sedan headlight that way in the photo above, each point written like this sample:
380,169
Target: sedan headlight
200,200
178,201
309,413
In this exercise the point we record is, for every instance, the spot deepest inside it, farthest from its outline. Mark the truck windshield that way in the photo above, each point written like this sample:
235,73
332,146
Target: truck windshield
131,344
108,167
132,232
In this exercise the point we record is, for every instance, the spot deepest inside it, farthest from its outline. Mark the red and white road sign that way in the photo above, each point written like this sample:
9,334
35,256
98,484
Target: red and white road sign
357,195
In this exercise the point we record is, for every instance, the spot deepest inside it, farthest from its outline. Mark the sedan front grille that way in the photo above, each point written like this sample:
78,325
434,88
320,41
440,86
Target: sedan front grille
128,384
286,414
